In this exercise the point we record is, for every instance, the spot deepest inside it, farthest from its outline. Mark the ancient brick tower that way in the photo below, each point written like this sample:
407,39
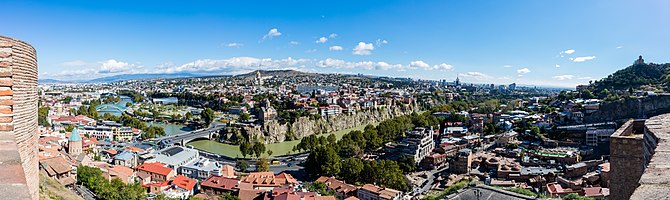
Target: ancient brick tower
18,120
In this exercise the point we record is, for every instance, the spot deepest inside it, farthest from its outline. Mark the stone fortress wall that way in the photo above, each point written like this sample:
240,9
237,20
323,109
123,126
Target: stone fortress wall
18,120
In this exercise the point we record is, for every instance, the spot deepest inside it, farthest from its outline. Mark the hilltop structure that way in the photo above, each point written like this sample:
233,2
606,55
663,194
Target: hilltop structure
639,61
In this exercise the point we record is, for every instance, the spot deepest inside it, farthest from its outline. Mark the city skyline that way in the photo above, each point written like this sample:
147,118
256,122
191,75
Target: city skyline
531,43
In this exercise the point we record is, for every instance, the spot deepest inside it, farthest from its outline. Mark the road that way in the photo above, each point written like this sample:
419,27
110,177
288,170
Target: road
84,192
430,180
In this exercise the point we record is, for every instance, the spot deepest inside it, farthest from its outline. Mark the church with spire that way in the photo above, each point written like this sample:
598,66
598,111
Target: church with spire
74,145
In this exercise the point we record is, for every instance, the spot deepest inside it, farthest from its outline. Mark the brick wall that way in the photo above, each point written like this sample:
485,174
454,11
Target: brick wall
18,120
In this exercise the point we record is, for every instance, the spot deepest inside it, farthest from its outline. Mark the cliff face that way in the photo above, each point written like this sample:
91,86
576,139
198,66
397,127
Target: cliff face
273,131
630,108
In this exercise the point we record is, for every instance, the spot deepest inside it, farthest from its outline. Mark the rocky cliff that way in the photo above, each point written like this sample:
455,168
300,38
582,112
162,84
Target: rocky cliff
274,131
630,108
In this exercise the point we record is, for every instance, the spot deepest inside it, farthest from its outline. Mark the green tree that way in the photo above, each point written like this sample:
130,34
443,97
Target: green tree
575,196
323,161
270,152
353,169
244,116
246,148
534,130
406,163
207,115
228,196
262,165
42,114
332,139
258,148
320,188
242,165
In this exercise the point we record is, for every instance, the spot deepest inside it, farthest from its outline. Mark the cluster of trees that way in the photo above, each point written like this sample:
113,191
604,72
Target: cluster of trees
89,110
256,148
147,131
111,99
92,179
324,161
329,157
207,115
137,97
42,114
633,77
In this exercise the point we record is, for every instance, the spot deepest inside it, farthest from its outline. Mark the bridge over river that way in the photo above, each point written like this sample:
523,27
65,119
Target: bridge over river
182,139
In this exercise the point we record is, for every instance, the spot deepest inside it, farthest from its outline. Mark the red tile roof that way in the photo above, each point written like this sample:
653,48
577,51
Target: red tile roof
220,182
184,182
156,168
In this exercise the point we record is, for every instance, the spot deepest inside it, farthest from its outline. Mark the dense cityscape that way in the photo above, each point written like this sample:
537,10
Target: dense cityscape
268,134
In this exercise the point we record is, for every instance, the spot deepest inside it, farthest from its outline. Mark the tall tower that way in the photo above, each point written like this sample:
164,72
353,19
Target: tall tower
458,81
74,143
18,120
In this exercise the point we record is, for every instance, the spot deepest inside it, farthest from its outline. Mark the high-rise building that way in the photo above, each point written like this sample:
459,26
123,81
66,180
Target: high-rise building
18,120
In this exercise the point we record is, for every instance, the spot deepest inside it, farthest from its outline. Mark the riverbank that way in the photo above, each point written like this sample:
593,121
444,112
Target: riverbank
278,149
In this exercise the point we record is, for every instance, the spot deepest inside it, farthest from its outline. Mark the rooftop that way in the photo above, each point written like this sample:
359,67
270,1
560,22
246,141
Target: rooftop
156,168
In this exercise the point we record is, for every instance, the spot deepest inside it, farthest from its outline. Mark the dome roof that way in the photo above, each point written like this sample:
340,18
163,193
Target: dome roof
74,136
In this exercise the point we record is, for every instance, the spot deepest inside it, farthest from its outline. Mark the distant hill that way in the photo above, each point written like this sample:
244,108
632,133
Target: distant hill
635,76
125,77
47,81
279,73
122,77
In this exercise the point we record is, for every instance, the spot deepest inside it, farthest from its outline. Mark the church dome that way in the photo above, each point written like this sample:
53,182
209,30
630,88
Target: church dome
74,136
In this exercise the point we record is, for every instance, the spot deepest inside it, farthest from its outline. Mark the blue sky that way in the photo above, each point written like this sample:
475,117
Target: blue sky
556,43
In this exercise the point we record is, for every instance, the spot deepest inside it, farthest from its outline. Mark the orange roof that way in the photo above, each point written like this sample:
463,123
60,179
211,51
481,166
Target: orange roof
134,149
228,171
112,151
155,168
184,182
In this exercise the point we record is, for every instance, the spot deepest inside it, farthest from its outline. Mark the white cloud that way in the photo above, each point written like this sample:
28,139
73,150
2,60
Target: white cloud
443,67
94,70
235,64
569,51
379,42
272,33
310,51
564,77
234,44
363,49
368,65
582,59
332,35
523,71
293,43
475,76
619,47
322,40
557,65
336,48
507,66
418,64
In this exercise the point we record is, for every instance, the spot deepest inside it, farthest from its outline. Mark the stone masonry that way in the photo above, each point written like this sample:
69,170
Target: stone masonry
640,159
18,120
